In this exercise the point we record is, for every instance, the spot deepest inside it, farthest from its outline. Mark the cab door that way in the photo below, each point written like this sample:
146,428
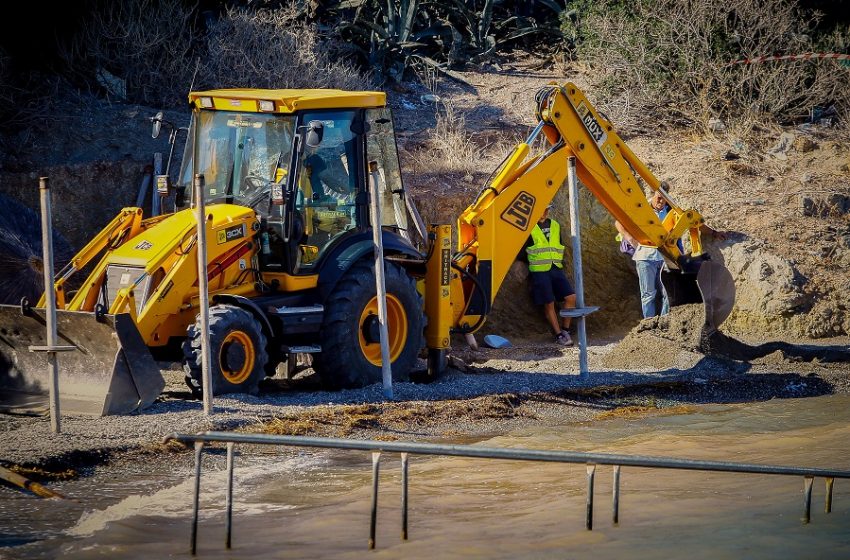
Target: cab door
384,171
325,200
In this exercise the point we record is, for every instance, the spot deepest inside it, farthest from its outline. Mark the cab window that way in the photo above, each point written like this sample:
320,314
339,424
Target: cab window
326,186
384,171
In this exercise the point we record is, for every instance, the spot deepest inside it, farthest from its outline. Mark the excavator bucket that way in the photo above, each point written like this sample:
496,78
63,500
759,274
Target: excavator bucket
717,288
703,281
111,371
681,287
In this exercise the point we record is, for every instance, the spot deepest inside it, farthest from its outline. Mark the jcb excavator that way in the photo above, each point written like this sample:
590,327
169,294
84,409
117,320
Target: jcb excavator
287,178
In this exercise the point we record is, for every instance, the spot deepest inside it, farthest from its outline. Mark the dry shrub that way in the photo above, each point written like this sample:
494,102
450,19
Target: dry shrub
136,50
154,51
452,148
451,145
273,49
670,59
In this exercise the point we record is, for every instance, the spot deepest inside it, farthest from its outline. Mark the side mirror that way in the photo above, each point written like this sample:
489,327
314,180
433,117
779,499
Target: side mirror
157,124
314,133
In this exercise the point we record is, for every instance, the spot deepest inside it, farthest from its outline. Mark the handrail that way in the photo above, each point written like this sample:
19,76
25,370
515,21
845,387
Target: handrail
505,453
516,454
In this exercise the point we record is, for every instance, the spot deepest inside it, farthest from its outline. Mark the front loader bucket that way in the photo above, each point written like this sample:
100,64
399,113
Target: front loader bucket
110,372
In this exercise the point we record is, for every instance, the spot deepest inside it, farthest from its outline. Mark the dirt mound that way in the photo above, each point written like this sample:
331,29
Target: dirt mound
610,280
791,249
679,340
666,342
774,297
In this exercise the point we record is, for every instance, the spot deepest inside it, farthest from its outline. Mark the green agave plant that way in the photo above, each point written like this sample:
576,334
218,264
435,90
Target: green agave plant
394,35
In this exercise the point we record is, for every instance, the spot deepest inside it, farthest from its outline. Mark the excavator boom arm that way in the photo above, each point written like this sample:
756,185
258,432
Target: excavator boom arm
494,228
610,170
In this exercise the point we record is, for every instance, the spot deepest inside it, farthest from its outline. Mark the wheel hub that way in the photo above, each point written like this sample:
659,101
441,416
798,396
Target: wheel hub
234,356
372,329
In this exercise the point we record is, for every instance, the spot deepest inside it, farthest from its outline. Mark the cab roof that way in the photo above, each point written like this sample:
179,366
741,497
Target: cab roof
287,100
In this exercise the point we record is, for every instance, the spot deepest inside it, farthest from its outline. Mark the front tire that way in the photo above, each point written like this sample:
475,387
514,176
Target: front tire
237,348
351,350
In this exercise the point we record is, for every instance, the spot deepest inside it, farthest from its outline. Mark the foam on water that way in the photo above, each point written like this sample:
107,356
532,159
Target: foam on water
176,501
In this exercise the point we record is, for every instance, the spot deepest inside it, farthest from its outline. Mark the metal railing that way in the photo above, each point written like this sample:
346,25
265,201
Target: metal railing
407,448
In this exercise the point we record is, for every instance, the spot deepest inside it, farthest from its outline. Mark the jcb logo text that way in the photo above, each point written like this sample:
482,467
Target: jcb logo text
518,214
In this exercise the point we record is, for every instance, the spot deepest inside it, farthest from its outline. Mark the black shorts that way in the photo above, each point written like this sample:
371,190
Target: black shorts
549,286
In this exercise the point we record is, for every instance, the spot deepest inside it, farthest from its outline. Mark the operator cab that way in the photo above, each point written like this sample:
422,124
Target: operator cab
306,174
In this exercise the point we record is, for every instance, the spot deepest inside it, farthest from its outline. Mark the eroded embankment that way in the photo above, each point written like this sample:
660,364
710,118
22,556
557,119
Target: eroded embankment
773,297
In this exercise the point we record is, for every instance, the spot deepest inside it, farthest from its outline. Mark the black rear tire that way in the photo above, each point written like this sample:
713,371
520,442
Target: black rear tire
238,350
350,356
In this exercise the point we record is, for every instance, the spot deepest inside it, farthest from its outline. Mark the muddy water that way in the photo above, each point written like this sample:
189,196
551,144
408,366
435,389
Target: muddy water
315,504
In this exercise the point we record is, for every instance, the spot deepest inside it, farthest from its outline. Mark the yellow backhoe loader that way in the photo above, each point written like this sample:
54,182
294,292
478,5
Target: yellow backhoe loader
288,176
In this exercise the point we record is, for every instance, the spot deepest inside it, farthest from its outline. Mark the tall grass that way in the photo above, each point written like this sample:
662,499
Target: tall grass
451,148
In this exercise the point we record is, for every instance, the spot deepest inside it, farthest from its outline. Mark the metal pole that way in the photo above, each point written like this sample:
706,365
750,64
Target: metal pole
616,497
828,503
50,303
509,454
203,294
156,200
807,497
373,523
375,217
229,498
199,447
588,523
575,235
404,465
146,183
14,478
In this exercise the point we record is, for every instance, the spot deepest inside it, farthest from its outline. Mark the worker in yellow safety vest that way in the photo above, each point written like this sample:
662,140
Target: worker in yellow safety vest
544,252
